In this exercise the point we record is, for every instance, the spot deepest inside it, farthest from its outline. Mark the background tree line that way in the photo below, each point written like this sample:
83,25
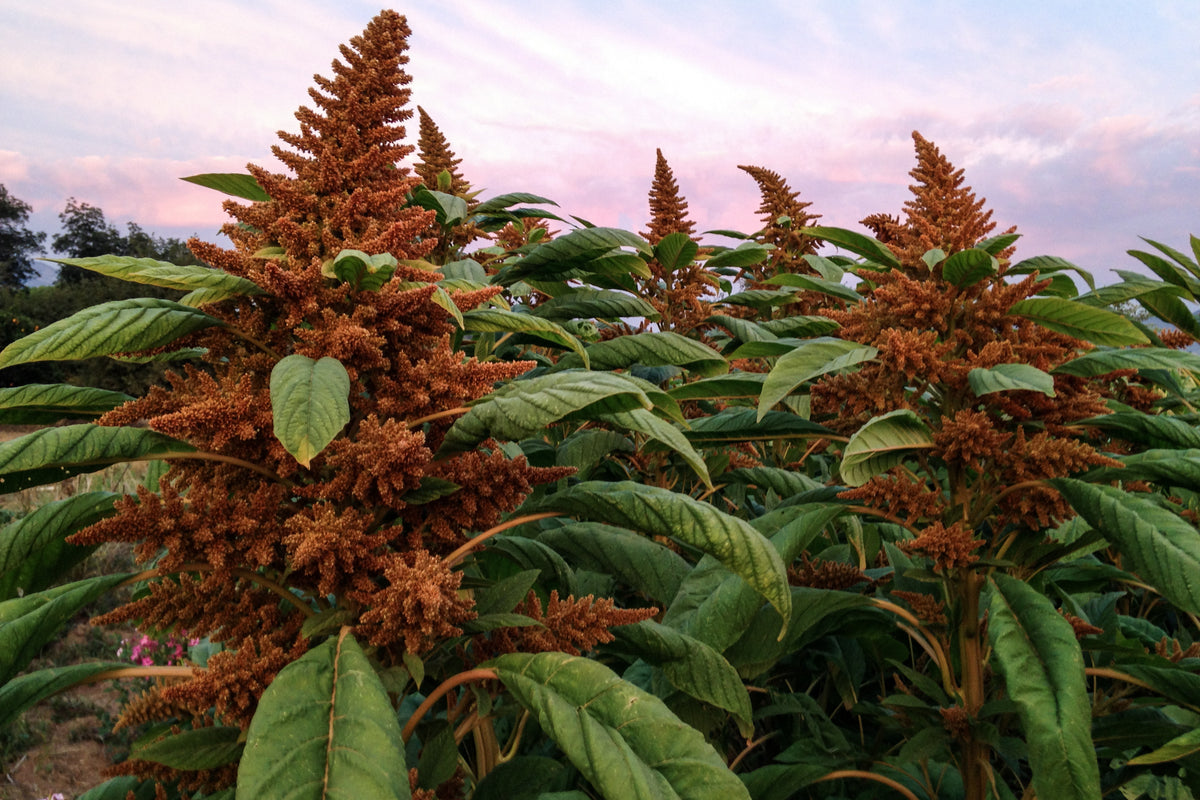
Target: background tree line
85,233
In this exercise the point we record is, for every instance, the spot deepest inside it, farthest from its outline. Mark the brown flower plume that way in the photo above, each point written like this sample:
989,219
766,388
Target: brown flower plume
248,543
678,294
778,201
930,335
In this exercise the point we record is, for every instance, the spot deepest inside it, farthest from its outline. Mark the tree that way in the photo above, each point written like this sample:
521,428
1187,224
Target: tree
17,242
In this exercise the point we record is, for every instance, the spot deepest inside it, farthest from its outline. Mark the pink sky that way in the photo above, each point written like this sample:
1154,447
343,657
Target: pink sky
1080,122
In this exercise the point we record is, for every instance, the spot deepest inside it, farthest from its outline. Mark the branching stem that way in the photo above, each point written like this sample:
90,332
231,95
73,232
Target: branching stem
443,688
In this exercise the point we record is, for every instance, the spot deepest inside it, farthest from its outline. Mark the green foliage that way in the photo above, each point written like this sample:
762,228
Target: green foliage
893,523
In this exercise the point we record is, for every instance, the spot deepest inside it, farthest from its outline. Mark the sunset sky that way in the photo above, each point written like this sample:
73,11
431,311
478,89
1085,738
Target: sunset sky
1079,121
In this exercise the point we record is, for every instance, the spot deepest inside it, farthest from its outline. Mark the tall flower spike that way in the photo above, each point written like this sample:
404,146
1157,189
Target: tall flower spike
778,202
348,190
943,213
668,209
436,157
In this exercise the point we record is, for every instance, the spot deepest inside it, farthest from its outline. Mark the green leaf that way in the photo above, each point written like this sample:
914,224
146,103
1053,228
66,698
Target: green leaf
594,303
722,387
642,421
53,454
881,444
812,283
27,690
431,488
466,269
324,728
998,244
164,274
624,741
363,272
1151,430
491,320
1010,378
310,404
235,184
659,512
800,326
119,326
811,359
33,550
584,449
1179,747
741,329
1161,547
691,666
28,623
871,249
675,251
968,267
450,209
201,748
743,424
783,482
743,255
1179,468
760,298
46,403
561,255
523,408
1042,664
651,349
1096,325
640,563
1168,271
1101,362
1048,266
503,201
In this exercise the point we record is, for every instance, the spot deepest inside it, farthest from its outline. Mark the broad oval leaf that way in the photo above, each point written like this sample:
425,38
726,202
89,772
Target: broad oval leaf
881,444
1091,324
34,553
503,201
968,267
1042,664
563,254
53,454
812,283
28,623
640,563
236,184
743,255
1010,378
857,243
153,272
741,329
810,360
43,403
1100,362
651,349
324,728
624,741
642,421
201,748
744,424
724,387
1048,266
310,404
691,666
119,326
363,272
523,408
675,251
29,689
660,512
1180,747
1162,467
1161,547
1151,430
594,304
494,320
